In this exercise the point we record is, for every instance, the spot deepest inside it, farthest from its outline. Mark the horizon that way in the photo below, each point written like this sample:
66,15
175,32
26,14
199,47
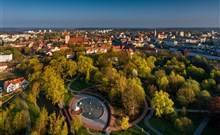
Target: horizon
110,14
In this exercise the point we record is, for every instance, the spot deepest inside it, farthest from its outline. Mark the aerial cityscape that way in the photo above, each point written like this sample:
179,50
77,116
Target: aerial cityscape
113,67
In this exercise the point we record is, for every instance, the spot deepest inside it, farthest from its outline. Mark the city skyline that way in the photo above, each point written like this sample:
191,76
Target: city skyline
111,13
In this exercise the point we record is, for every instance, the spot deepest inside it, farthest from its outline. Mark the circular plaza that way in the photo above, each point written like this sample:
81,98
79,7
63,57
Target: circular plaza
93,111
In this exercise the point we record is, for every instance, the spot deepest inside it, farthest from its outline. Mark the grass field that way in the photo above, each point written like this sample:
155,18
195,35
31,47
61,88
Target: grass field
131,131
80,84
67,97
167,127
212,128
142,125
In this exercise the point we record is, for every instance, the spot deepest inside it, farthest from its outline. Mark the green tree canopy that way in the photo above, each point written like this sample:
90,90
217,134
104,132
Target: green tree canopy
85,66
76,124
183,124
162,103
130,101
53,85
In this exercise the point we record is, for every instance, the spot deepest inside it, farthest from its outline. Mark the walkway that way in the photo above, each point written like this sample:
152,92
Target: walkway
202,126
28,130
146,122
193,111
68,86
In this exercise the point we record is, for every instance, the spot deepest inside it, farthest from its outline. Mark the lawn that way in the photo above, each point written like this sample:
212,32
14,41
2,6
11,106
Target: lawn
131,131
82,131
164,126
212,128
67,97
167,127
80,84
142,125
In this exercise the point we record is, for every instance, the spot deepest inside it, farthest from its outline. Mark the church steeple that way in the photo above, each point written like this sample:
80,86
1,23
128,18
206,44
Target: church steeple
155,33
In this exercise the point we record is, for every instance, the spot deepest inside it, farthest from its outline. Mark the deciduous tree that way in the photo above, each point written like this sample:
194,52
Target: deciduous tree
162,103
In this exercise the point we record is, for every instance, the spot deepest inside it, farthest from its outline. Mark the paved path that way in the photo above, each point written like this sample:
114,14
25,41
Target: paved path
202,126
28,130
151,113
146,122
145,132
91,133
193,111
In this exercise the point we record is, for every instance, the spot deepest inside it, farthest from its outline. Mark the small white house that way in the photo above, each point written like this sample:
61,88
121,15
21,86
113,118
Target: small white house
13,85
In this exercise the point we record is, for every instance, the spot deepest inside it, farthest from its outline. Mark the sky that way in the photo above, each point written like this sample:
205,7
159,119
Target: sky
110,13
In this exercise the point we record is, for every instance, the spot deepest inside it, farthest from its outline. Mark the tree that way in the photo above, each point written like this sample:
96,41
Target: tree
176,81
53,85
208,84
85,66
42,122
183,124
161,79
118,88
20,121
66,68
57,125
186,96
150,61
175,65
162,103
196,73
204,98
215,75
34,94
214,105
76,124
125,123
151,89
142,67
133,96
64,130
192,84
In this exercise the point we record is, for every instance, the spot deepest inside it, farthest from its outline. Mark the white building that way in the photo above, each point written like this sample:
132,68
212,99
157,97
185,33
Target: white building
15,84
5,57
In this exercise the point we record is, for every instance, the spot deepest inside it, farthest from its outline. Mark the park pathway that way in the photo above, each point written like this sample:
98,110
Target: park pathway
68,86
202,126
193,111
147,123
28,130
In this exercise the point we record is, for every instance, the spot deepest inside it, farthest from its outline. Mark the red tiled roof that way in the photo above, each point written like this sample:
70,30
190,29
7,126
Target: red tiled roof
63,47
3,64
15,81
79,40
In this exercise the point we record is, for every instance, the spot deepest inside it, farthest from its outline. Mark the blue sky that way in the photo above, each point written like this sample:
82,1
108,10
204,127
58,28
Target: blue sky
110,13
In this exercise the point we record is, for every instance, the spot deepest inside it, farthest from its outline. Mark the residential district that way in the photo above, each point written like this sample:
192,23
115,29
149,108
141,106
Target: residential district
110,81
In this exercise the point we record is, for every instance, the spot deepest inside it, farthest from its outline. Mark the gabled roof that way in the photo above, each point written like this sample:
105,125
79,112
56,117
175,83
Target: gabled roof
15,81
